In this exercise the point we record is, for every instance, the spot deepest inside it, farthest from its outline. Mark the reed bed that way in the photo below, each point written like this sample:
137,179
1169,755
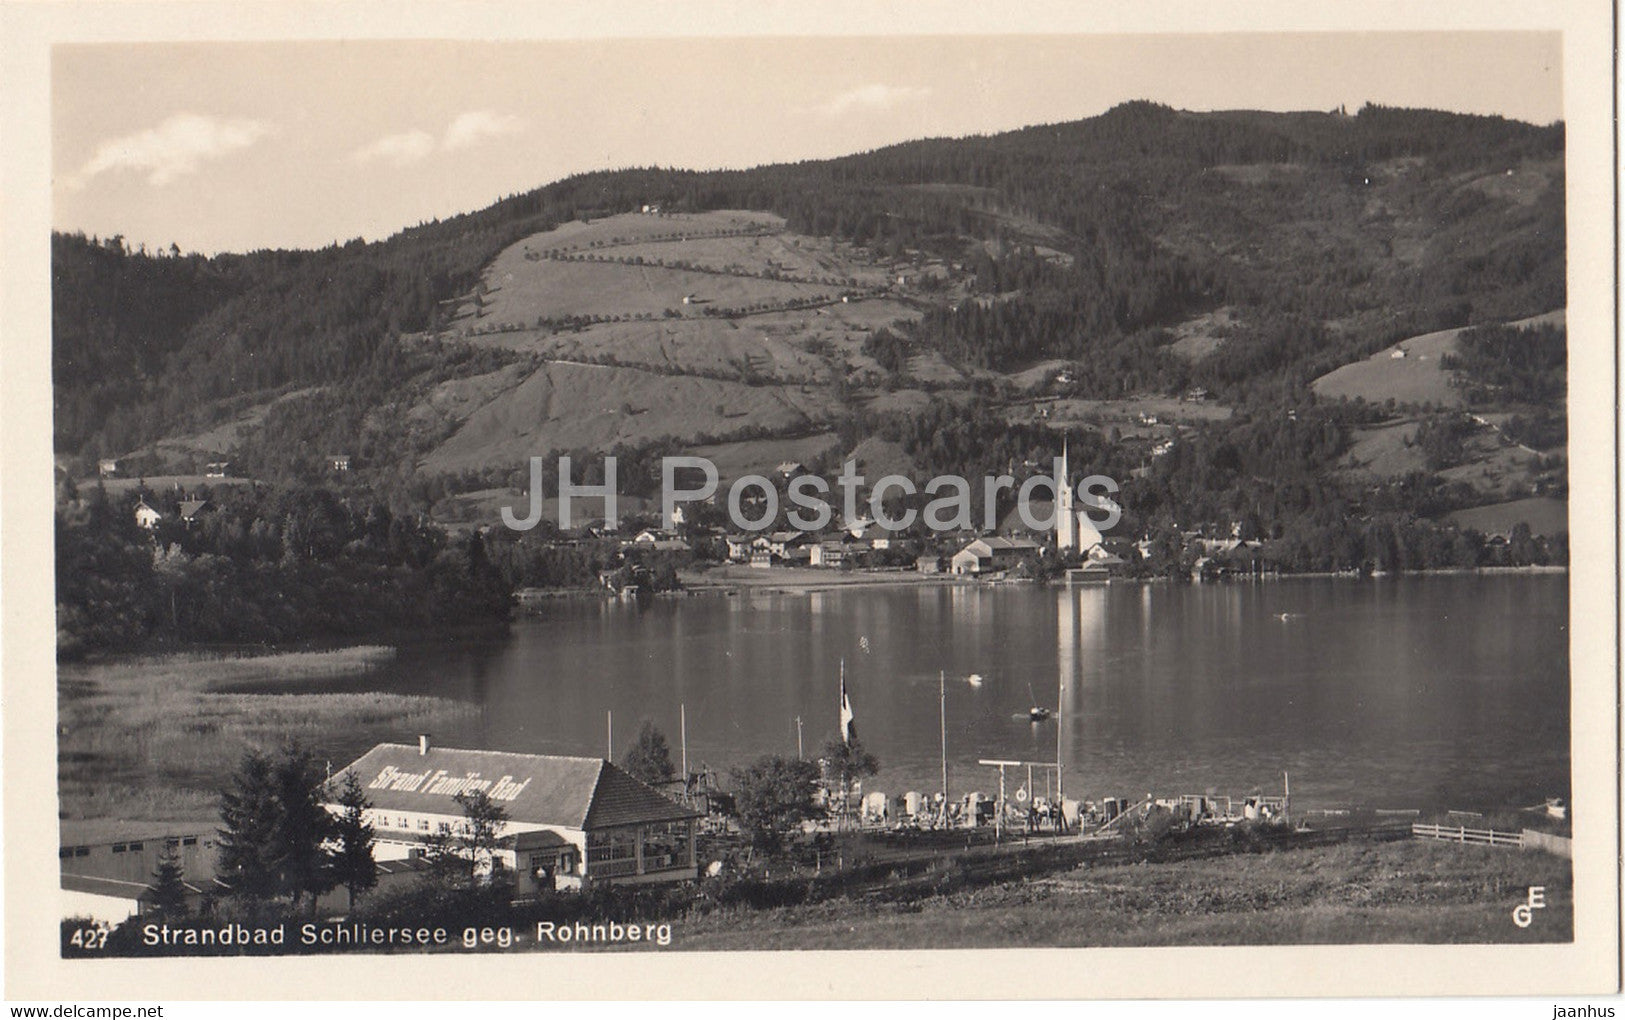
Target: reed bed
155,738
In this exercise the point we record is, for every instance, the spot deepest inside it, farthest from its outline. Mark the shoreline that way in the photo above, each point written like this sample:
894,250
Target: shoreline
800,583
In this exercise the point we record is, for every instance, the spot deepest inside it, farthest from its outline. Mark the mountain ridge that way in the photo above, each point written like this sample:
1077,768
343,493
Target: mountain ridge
1091,244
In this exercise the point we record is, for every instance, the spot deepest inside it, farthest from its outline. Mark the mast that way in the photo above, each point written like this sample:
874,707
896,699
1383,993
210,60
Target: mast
682,728
609,736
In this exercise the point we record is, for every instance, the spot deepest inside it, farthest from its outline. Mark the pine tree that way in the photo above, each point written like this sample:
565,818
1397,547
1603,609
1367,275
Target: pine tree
248,807
304,826
169,885
352,862
649,757
273,842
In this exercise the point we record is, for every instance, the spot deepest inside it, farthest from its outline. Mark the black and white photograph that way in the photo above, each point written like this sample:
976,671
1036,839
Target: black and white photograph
549,496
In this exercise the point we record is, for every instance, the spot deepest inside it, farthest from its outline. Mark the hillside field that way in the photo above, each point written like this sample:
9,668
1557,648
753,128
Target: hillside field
637,362
569,406
1544,515
1416,378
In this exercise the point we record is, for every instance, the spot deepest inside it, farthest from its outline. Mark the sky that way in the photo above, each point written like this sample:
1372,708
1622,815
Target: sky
238,146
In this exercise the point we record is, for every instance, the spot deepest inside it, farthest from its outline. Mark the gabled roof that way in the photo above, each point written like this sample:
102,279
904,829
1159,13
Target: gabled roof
102,886
537,789
999,543
190,507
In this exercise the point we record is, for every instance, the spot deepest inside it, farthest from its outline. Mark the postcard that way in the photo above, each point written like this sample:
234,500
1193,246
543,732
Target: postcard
491,491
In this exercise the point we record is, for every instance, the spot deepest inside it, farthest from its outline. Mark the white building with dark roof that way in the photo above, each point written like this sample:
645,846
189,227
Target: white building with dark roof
995,553
572,822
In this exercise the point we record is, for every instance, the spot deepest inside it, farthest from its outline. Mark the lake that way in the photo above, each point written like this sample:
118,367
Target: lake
1407,692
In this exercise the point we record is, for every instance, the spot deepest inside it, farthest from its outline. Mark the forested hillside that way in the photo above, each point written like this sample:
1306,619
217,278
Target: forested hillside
1169,293
1333,235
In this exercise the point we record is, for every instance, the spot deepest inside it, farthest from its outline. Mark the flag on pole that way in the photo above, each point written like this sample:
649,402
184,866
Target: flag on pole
848,730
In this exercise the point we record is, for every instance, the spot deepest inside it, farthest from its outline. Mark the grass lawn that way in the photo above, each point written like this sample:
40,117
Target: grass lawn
1398,892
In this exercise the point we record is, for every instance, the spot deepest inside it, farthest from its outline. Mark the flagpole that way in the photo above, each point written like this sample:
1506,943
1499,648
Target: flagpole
609,736
942,695
682,724
840,722
1060,724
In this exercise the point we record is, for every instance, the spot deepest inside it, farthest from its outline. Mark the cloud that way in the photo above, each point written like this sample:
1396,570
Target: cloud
466,130
477,125
173,149
869,98
406,147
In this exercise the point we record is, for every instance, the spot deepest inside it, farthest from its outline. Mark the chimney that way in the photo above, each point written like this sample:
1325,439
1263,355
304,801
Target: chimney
423,743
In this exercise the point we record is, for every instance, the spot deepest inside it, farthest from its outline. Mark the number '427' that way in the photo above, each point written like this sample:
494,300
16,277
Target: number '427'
89,938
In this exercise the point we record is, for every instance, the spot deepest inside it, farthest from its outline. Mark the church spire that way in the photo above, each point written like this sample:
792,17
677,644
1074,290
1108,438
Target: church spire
1066,526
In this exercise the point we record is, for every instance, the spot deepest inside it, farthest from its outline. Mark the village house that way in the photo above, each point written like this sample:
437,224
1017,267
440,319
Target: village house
1099,564
649,540
572,823
828,553
338,462
992,554
108,466
780,543
192,510
217,469
739,547
146,516
870,534
859,527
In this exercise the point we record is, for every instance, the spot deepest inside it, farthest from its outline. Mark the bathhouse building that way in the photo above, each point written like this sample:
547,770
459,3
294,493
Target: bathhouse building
571,822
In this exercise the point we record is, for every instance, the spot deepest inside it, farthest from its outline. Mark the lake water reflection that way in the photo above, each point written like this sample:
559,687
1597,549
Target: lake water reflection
1400,692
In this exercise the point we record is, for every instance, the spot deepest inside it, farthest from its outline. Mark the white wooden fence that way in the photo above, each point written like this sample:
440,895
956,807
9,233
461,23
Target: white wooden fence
1462,834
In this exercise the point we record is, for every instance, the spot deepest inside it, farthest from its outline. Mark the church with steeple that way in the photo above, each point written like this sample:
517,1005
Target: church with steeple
1073,531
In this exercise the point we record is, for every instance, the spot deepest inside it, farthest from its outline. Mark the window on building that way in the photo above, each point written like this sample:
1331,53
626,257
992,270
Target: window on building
189,841
81,851
119,848
137,847
66,851
612,845
423,823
